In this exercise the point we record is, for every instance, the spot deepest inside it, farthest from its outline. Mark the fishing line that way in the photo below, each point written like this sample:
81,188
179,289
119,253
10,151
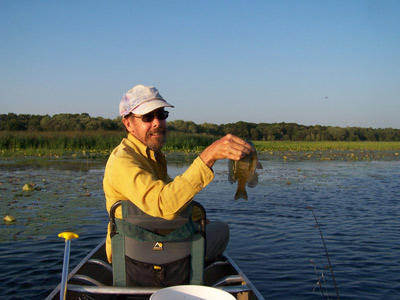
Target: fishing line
326,252
318,283
320,266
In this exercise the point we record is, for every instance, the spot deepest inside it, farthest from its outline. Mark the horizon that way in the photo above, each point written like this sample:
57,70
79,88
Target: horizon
219,124
309,63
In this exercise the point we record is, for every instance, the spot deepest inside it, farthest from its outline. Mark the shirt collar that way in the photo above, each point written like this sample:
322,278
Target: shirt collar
143,149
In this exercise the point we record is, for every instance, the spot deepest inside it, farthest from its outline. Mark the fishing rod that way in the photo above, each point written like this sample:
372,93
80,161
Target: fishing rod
326,252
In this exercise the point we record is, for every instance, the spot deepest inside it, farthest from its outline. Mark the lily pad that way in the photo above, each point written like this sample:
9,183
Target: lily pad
28,187
8,219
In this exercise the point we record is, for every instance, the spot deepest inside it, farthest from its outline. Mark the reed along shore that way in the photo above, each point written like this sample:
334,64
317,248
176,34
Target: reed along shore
50,143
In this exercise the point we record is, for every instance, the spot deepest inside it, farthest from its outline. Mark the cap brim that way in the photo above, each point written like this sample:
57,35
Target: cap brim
149,106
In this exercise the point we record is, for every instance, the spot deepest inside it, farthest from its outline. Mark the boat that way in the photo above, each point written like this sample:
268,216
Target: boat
92,279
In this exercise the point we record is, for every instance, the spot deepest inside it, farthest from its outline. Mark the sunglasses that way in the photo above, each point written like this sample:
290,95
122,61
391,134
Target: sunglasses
160,115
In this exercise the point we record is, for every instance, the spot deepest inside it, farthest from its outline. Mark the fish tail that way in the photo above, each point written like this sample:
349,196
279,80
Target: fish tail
241,193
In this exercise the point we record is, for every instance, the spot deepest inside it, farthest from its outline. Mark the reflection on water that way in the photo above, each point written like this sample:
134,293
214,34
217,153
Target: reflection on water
273,235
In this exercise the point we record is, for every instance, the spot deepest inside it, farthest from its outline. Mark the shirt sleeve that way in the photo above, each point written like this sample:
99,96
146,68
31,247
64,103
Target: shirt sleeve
129,179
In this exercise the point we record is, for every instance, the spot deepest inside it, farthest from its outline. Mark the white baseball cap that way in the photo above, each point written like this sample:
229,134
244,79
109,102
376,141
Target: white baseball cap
141,100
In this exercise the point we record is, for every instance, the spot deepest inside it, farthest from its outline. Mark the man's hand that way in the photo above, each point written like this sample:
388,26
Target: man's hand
228,147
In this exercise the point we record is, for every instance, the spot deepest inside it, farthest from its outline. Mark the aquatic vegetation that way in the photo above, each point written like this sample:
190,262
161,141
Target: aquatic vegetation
9,219
188,142
58,143
94,145
327,151
87,143
63,200
28,187
324,146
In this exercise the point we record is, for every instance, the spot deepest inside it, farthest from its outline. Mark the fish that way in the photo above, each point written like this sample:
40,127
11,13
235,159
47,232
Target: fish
244,172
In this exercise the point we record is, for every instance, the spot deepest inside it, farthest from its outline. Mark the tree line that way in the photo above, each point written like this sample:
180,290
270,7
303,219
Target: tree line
251,131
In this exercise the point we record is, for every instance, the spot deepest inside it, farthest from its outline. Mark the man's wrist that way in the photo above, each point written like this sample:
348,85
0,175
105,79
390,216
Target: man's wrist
209,162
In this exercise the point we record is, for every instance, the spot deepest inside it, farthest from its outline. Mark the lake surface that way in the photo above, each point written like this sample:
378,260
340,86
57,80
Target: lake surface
274,238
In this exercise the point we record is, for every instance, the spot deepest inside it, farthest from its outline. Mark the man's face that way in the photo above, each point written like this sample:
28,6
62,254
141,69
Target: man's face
153,134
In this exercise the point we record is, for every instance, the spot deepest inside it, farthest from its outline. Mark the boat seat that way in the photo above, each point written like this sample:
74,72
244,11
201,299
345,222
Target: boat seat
216,264
101,263
154,252
89,280
84,279
228,280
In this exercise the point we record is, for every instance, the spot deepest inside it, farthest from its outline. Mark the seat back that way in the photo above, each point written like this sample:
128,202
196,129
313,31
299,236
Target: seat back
151,251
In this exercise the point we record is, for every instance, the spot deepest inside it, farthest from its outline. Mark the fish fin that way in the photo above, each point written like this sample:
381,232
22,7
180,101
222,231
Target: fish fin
259,165
231,175
253,181
241,193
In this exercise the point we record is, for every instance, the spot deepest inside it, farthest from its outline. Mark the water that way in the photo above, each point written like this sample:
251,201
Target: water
273,235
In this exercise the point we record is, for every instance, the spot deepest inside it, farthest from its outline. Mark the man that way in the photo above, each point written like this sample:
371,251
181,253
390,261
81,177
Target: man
137,171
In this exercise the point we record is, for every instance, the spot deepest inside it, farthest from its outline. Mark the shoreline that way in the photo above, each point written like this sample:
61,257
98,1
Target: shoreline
285,155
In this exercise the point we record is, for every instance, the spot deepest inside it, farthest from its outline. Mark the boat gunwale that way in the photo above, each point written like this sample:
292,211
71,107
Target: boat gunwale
248,286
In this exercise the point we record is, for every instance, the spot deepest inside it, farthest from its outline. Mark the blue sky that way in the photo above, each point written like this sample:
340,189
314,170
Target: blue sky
334,63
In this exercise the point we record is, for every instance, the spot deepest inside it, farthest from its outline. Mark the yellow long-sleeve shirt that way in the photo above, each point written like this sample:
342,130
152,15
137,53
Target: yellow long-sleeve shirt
136,173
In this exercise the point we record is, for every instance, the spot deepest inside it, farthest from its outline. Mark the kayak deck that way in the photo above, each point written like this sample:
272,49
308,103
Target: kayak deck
92,279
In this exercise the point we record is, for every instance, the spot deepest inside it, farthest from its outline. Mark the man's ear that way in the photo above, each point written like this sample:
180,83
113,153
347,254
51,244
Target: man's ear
128,124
